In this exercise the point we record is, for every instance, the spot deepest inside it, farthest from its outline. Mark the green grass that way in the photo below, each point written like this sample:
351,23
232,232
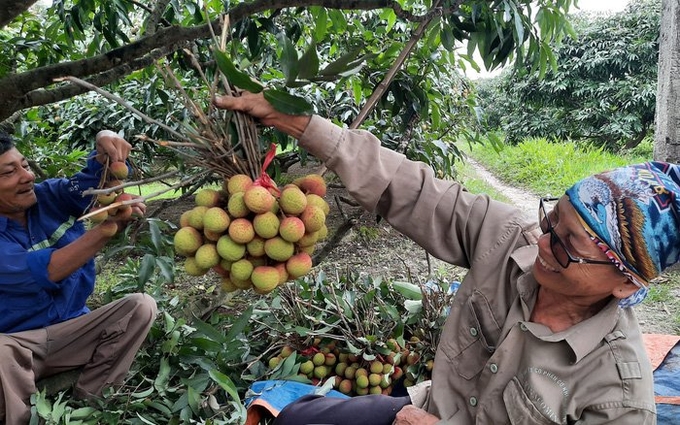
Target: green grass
550,168
154,187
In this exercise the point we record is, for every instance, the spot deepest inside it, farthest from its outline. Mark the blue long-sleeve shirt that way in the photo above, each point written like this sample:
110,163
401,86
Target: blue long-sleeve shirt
28,298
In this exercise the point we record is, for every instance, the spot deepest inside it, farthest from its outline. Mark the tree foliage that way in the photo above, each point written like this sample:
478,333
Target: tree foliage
333,52
603,89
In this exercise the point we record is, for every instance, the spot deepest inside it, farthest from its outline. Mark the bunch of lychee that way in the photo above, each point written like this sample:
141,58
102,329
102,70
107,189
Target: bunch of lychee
353,374
254,236
115,174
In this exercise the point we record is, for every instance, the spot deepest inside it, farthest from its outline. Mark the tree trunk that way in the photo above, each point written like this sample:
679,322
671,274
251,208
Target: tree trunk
667,135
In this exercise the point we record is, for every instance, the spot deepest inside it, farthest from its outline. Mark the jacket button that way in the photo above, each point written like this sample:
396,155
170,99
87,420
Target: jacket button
473,401
493,367
523,327
473,331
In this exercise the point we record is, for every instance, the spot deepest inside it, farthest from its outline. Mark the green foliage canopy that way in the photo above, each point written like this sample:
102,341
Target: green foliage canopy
603,89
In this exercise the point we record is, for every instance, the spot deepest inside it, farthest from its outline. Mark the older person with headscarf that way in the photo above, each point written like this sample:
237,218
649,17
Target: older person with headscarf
541,330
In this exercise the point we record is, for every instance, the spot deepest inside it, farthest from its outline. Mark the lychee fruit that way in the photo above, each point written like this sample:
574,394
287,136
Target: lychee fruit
313,218
283,273
212,236
292,200
196,216
307,367
184,219
236,205
227,285
187,240
279,249
206,256
216,220
318,359
106,198
192,268
266,224
323,232
265,278
241,284
256,247
314,199
241,231
258,199
238,183
230,250
208,198
119,169
308,239
292,229
345,386
100,216
241,269
312,183
299,265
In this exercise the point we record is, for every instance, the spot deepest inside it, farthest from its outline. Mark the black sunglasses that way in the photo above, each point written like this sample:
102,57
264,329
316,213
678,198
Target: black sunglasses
559,249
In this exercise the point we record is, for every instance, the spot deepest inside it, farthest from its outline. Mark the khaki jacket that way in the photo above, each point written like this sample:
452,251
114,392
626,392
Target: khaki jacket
493,365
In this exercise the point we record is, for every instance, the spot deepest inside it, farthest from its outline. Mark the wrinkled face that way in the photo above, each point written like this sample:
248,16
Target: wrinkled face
592,279
16,185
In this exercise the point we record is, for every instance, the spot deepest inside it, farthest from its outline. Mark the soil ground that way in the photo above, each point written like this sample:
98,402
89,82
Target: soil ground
373,247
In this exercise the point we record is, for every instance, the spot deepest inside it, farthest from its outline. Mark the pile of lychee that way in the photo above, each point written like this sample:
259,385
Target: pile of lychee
354,375
254,236
114,175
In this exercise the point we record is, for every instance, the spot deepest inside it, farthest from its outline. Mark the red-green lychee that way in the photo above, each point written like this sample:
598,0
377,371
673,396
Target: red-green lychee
292,229
283,273
314,199
227,285
241,269
241,231
100,216
278,249
312,183
238,183
236,205
119,169
208,198
318,359
258,199
256,246
212,236
266,225
196,216
192,268
299,265
323,232
362,381
292,200
345,386
241,284
206,256
230,250
307,367
308,239
313,218
184,219
265,278
216,220
106,198
187,240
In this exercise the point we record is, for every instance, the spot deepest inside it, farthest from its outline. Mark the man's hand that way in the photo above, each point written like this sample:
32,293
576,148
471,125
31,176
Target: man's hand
259,108
411,415
111,145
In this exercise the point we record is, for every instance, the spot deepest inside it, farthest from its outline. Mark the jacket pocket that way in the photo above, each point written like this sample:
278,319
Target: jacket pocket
522,410
476,338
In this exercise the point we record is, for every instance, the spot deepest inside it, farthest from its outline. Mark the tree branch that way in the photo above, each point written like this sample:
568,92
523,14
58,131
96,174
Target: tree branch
12,8
20,91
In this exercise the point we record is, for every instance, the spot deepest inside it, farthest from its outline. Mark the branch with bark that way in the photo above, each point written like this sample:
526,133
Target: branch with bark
37,86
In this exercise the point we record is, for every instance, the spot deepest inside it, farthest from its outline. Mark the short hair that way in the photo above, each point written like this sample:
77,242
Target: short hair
6,142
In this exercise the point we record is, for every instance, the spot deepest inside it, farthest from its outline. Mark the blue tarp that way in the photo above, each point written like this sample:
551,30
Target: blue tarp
667,384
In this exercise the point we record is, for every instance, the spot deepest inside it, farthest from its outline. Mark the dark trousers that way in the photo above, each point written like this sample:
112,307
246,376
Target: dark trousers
362,410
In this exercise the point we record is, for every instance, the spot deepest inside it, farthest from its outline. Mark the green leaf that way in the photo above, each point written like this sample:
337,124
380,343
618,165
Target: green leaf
288,103
146,269
208,330
409,290
289,58
341,64
309,62
234,76
240,324
228,385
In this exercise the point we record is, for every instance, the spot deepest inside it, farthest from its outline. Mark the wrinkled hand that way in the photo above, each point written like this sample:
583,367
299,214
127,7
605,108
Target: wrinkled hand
253,104
111,145
411,415
125,216
259,108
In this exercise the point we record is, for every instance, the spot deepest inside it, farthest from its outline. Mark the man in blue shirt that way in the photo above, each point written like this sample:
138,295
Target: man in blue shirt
46,275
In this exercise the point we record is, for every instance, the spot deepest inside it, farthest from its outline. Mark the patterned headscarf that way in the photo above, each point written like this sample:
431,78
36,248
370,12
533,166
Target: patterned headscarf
633,214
